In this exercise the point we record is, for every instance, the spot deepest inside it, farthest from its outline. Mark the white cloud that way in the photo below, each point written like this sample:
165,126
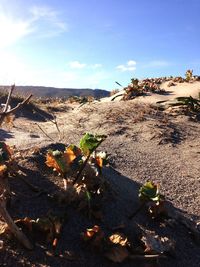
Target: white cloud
129,66
77,65
131,63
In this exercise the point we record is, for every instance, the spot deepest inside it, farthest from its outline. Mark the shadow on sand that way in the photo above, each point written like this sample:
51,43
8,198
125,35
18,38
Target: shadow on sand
4,134
116,210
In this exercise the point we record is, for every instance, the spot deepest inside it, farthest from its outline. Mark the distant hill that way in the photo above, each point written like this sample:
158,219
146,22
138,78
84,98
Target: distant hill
42,91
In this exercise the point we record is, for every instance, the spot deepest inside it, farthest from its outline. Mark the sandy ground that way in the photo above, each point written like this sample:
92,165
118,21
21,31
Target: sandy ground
143,143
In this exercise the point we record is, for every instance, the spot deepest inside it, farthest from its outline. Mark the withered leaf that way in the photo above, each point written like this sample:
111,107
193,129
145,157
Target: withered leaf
119,239
90,232
3,169
71,153
156,244
95,236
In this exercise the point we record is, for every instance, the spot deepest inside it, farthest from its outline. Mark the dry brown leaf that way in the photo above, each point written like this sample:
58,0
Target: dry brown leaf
119,239
3,169
71,153
95,236
99,161
90,232
4,229
51,162
9,119
155,244
60,161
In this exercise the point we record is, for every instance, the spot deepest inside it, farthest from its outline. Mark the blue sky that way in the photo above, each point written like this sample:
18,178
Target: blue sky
92,43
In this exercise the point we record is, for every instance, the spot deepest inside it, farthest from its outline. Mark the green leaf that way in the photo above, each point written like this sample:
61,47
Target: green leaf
149,192
90,142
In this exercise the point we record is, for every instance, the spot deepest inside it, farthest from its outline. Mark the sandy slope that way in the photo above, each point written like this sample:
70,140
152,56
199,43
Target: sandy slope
143,144
180,89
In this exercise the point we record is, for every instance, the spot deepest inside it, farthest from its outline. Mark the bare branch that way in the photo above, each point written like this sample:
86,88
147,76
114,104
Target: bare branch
9,97
18,105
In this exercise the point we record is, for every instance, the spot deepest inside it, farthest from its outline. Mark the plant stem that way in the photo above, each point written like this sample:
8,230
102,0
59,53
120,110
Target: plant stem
81,169
85,162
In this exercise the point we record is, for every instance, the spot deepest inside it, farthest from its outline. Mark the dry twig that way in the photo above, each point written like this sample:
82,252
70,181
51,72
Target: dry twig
7,112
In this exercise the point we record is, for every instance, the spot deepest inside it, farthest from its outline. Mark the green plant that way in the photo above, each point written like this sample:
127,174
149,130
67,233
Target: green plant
149,192
74,159
151,198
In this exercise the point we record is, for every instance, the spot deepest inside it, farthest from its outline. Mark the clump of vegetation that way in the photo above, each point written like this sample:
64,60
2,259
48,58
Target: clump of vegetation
149,195
189,75
81,99
80,167
188,103
138,88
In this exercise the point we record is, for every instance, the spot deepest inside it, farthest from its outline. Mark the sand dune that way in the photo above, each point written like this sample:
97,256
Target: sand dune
180,89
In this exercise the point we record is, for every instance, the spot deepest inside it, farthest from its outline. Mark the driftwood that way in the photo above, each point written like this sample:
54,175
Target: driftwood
4,188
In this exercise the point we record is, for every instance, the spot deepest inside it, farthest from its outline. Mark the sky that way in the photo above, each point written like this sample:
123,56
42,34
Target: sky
92,43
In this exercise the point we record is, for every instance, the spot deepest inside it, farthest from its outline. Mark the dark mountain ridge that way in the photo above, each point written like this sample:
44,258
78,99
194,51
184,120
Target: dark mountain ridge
43,91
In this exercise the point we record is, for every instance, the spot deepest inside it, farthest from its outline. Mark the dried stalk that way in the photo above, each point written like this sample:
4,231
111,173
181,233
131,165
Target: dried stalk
44,132
12,226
